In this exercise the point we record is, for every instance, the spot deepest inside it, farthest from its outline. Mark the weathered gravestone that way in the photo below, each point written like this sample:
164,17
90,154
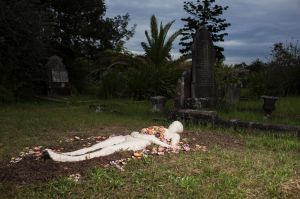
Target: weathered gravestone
232,94
198,83
183,89
158,103
58,77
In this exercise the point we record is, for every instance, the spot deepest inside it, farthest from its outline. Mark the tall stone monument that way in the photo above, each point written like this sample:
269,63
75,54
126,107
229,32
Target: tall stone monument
198,83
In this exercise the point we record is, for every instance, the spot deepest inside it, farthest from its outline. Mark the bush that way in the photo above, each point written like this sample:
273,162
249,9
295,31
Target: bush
139,82
279,77
113,84
78,74
149,80
226,76
6,96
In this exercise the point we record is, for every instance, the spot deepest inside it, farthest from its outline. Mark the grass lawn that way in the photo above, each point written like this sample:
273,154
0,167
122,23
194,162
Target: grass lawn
287,111
265,166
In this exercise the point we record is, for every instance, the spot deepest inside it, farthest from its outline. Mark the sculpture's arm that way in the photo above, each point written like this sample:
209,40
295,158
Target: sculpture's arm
175,140
151,138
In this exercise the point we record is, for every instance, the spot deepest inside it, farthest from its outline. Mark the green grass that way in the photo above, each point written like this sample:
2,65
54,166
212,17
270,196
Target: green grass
219,173
259,169
22,125
287,111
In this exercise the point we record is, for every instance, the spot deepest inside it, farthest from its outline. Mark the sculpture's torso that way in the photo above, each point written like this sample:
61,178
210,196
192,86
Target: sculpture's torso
157,131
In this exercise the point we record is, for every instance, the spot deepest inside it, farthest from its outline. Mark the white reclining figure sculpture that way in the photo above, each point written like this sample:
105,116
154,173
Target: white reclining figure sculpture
133,142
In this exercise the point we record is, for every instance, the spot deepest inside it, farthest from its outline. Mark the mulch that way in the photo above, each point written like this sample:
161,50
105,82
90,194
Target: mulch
32,170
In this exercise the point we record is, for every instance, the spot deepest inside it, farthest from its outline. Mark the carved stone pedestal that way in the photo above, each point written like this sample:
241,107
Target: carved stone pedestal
269,104
200,103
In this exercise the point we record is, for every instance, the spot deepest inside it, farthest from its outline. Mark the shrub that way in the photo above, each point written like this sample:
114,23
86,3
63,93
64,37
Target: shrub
226,76
113,84
148,80
279,77
6,96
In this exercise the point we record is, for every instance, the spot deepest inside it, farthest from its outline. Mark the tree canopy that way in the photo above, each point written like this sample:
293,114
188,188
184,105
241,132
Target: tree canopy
33,30
81,26
203,13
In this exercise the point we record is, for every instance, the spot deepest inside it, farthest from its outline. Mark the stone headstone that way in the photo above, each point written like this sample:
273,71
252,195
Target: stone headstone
203,61
58,77
232,94
158,103
183,89
178,100
198,83
187,79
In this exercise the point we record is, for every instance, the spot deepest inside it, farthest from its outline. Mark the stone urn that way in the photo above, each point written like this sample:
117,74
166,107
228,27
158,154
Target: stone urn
269,104
158,103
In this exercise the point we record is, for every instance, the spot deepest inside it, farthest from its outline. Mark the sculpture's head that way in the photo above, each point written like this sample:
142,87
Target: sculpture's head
176,127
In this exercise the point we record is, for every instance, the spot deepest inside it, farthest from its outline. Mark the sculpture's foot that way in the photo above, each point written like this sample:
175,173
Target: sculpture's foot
45,155
54,156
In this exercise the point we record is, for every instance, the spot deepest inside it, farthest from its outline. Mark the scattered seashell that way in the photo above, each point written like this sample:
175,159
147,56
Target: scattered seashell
161,149
36,148
201,148
38,154
75,177
136,154
77,138
186,147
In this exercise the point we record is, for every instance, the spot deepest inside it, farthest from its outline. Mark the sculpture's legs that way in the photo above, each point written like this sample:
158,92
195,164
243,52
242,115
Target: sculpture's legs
109,142
133,145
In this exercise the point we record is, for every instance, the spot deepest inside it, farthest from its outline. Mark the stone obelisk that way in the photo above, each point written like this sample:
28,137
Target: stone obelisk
203,61
197,84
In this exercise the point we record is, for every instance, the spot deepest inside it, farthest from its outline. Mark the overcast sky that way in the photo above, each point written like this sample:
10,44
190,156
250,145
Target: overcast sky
255,24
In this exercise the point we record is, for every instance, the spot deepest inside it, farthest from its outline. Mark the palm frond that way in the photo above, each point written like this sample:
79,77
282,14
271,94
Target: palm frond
153,26
159,47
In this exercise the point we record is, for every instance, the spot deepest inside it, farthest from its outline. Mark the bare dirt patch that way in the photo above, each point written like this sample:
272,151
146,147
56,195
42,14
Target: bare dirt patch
212,139
32,170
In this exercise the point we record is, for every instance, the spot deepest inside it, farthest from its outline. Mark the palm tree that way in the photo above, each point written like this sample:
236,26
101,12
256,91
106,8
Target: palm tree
158,47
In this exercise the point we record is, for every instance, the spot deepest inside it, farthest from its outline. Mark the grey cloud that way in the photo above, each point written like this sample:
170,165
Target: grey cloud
256,24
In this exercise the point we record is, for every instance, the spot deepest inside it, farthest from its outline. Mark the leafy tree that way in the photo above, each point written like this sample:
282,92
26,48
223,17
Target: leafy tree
22,52
285,67
80,27
203,13
141,76
158,47
256,66
280,76
32,30
286,55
